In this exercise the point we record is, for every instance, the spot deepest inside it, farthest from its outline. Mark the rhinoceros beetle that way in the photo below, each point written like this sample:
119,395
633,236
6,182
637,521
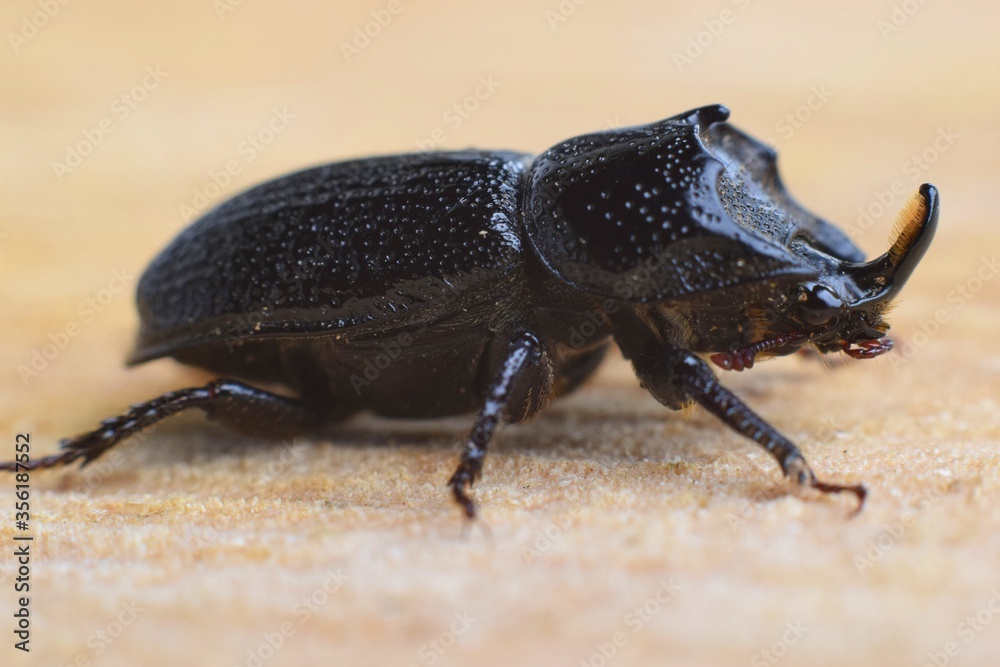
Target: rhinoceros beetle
440,283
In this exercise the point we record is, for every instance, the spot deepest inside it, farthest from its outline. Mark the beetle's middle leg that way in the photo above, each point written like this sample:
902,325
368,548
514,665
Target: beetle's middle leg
518,389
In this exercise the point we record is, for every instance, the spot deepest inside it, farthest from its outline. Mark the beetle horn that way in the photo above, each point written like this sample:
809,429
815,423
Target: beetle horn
881,279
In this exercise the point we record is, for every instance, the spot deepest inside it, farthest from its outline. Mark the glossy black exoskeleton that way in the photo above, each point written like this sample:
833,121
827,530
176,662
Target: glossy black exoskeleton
441,283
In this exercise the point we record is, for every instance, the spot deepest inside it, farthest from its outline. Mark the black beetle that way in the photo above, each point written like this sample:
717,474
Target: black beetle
440,283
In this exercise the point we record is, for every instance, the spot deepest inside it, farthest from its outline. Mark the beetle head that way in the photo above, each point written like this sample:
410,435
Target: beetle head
847,306
844,307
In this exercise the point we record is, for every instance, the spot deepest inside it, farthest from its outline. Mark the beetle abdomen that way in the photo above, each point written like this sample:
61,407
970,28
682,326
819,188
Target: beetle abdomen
336,247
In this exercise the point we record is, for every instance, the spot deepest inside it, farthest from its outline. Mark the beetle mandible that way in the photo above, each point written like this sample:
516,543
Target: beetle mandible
440,283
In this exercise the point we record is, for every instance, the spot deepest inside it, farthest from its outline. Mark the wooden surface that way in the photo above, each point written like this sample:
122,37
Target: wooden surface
615,525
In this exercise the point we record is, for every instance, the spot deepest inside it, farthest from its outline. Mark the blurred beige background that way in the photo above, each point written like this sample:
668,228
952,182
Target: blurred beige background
618,529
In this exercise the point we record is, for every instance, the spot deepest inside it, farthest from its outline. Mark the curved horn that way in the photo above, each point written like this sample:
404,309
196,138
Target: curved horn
883,277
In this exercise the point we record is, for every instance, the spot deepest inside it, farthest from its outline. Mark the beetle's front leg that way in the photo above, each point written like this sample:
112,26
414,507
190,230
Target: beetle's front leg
517,390
674,376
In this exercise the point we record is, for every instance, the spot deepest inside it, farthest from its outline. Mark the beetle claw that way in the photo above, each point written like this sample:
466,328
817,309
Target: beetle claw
797,469
857,489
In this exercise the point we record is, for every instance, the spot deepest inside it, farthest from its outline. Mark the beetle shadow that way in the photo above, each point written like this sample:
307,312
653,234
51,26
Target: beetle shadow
572,430
189,438
555,435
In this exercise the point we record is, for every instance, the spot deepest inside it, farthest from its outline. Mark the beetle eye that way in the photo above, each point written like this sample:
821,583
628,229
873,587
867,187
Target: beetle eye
819,306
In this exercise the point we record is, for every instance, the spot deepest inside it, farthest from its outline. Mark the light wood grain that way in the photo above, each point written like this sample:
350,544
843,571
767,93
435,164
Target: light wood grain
606,499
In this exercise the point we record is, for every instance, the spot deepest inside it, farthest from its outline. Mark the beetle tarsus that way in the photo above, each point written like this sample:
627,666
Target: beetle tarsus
459,482
53,461
857,489
796,468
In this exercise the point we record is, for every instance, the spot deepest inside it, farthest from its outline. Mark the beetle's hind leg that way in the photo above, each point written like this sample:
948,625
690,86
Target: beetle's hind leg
517,391
237,405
